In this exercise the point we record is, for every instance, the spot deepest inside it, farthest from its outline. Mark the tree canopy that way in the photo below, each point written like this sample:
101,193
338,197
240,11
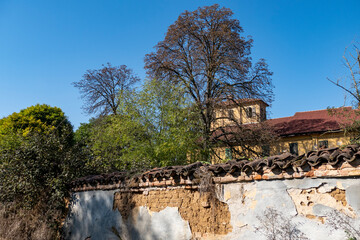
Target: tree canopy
155,127
102,89
205,53
37,158
38,118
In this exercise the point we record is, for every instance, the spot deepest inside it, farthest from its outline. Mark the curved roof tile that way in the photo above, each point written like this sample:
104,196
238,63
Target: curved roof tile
332,156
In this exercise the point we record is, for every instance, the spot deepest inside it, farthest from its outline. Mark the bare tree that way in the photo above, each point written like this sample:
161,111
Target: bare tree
352,63
245,141
205,52
339,221
275,226
102,89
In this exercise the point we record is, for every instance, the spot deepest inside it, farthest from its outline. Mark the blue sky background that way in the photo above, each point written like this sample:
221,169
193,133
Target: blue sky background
47,45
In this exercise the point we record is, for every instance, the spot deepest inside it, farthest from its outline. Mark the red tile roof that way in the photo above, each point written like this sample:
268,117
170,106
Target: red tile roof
314,121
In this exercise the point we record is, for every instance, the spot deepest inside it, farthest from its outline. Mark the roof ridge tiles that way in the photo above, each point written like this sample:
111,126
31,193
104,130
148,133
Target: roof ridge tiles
331,156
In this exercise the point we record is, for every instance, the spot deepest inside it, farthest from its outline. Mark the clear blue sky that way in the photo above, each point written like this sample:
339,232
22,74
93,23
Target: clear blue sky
47,45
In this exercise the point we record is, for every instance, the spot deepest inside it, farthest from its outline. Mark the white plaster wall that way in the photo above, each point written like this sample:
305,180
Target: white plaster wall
246,212
92,213
92,216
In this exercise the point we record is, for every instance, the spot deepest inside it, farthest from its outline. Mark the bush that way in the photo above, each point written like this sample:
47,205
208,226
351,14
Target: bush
38,157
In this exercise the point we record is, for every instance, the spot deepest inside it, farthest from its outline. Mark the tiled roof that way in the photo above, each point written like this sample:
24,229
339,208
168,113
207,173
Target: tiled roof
234,134
313,121
331,156
240,102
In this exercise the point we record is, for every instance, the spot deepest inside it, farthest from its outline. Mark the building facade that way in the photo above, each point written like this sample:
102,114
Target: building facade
297,134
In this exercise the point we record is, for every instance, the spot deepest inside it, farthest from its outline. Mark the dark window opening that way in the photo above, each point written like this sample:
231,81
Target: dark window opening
265,150
262,114
213,115
249,112
231,114
228,153
323,144
294,148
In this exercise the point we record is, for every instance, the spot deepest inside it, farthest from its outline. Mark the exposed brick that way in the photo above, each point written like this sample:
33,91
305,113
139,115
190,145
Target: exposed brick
343,172
309,174
228,179
265,177
257,177
355,172
322,167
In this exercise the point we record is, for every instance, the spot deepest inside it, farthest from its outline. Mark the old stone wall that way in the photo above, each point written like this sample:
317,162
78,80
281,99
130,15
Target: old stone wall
220,202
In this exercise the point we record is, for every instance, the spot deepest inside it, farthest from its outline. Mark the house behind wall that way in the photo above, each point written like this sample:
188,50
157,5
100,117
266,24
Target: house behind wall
298,134
312,130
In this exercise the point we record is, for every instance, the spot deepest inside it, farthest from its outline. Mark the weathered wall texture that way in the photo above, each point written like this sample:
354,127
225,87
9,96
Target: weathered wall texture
93,217
306,202
205,214
224,201
180,213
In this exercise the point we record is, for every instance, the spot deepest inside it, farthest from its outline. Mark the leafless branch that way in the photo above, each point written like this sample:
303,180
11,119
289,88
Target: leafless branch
103,89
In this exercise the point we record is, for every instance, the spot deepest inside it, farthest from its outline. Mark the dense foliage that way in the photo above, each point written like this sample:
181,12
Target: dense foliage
34,169
38,157
38,118
154,127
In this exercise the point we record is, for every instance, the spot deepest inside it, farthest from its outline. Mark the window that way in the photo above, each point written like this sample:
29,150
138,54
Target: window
249,112
323,144
262,114
213,115
228,153
294,148
231,114
265,150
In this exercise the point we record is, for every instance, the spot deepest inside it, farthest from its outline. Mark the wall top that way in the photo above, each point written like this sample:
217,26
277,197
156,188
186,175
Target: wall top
327,162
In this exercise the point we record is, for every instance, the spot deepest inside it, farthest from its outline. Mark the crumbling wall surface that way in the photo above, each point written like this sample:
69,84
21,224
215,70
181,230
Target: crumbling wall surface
308,203
236,211
92,216
203,212
296,197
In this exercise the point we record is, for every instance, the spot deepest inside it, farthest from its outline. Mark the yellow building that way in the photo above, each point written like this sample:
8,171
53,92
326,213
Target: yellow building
245,111
311,130
298,134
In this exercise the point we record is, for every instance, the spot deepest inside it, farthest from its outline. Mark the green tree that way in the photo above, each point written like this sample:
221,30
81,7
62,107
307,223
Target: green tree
155,127
39,118
170,118
38,158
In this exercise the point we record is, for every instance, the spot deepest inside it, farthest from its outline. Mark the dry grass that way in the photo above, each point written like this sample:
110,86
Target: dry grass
20,224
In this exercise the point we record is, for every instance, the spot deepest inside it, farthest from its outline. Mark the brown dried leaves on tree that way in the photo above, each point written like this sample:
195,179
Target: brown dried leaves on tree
102,89
205,51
